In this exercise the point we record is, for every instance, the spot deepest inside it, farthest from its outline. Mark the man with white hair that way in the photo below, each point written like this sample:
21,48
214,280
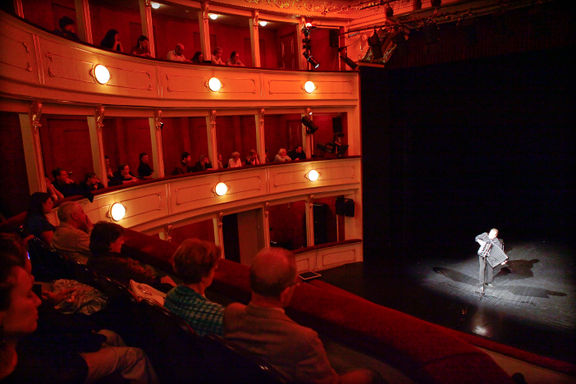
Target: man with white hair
72,237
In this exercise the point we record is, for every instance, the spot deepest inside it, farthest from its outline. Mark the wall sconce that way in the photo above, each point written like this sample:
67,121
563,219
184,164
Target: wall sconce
154,5
312,175
117,211
214,84
213,16
101,74
221,189
309,86
263,23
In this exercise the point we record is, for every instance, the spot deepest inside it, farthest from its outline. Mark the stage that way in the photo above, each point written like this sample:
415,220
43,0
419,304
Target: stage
531,305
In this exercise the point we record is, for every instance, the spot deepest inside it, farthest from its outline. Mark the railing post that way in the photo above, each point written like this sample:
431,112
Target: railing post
95,125
204,29
212,141
260,136
255,39
156,126
84,21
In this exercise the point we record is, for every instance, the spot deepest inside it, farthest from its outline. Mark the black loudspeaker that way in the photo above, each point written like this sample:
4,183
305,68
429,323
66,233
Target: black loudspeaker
344,206
334,37
337,126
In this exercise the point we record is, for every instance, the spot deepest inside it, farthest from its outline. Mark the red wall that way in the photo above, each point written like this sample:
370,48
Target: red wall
66,144
235,133
183,134
231,38
125,20
47,13
326,55
124,140
288,224
203,230
282,131
13,179
170,30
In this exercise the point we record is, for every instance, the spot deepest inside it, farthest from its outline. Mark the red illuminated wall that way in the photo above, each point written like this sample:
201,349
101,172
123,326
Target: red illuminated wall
125,20
184,134
231,38
171,30
322,50
282,131
124,140
47,13
288,225
13,179
325,132
235,133
203,230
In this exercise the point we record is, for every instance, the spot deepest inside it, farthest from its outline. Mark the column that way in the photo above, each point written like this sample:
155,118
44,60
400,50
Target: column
302,63
260,136
266,224
156,126
354,139
255,39
212,142
219,231
84,21
204,28
30,125
147,25
95,125
309,221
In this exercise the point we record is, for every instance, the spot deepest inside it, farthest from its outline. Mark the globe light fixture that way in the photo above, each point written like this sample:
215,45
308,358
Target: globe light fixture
213,16
154,5
312,175
309,86
101,74
117,211
221,189
214,84
263,23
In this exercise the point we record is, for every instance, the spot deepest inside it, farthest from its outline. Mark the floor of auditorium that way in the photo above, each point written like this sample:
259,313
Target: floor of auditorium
531,305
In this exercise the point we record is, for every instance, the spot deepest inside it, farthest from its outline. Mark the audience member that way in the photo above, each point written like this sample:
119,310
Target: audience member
36,349
111,41
185,165
298,153
220,162
106,242
252,158
262,327
123,176
109,169
235,60
282,156
91,183
142,47
72,237
64,183
144,169
217,56
235,161
198,58
67,29
203,164
195,262
36,222
177,54
51,189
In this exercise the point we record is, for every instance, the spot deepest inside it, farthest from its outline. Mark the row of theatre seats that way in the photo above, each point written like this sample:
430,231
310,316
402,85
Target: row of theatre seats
423,352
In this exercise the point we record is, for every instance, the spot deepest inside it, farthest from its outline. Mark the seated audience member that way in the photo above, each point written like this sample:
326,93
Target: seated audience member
109,169
198,58
36,349
123,176
203,164
235,60
298,153
67,29
195,263
177,54
252,158
282,156
51,189
220,162
144,169
235,161
64,183
217,56
36,222
111,41
91,183
72,237
262,327
185,165
142,47
106,242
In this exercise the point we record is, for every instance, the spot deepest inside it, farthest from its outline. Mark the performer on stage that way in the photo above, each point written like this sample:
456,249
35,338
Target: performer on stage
490,255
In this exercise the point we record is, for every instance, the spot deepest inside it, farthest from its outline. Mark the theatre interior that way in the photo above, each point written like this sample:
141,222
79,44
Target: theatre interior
373,139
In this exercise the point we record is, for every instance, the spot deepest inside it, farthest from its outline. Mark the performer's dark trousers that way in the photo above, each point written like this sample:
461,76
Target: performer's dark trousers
486,272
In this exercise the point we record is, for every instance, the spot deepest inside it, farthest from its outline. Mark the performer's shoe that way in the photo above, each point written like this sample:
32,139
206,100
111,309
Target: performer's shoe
489,285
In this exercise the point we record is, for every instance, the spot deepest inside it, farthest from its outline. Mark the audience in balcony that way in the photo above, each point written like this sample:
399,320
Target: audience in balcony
72,237
177,54
252,158
36,222
106,240
64,183
203,164
235,161
235,60
144,169
198,58
282,156
123,176
142,47
185,165
217,56
40,345
51,189
67,29
111,41
195,263
298,153
262,327
91,183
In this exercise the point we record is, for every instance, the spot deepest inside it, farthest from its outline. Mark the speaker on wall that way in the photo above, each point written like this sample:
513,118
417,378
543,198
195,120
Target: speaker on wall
344,206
